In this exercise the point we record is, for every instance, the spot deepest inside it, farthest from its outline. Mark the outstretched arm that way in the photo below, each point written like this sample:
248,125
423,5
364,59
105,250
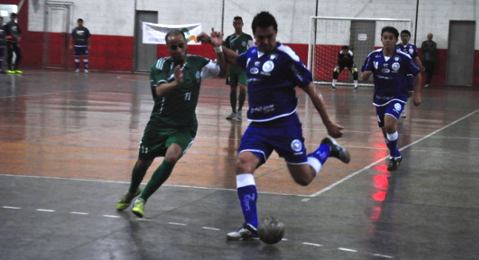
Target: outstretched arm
216,39
230,56
334,129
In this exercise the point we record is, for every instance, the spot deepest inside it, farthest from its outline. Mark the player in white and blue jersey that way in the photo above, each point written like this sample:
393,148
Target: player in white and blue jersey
410,49
273,71
390,68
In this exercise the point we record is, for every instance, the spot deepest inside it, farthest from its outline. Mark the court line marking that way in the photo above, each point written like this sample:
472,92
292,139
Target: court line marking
384,158
348,249
10,207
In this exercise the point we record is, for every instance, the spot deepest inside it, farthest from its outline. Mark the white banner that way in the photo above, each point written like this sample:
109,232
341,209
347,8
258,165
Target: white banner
155,33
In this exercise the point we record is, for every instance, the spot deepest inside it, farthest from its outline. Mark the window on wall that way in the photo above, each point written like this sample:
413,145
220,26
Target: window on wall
6,10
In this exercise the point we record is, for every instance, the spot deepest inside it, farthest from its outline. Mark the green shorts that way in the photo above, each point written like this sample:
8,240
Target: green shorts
235,78
155,141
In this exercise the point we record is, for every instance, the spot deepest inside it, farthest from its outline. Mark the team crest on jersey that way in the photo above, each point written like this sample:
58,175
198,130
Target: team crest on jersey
243,43
268,66
254,70
396,58
273,56
396,66
397,107
296,145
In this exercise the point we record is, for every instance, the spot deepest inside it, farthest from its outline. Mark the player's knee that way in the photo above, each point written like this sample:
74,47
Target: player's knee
144,164
303,180
245,164
172,158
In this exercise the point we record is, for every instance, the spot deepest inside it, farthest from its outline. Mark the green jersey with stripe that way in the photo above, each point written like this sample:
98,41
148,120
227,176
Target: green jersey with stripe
177,108
239,44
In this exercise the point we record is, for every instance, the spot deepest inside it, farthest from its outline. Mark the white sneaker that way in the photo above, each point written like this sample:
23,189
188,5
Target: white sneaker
244,232
77,70
86,71
403,114
356,89
239,116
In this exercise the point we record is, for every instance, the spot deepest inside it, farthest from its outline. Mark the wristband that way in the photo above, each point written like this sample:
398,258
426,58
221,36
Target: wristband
218,49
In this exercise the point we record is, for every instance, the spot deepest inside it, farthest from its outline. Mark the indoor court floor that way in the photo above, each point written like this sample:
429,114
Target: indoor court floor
69,141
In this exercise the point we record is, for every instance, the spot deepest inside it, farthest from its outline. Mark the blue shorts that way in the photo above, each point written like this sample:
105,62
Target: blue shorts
393,108
283,135
80,51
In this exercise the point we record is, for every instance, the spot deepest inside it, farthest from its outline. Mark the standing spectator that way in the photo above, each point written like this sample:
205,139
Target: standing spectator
13,32
2,45
238,42
429,49
81,40
345,60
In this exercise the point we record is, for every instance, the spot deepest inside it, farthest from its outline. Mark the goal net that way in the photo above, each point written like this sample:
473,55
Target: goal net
330,34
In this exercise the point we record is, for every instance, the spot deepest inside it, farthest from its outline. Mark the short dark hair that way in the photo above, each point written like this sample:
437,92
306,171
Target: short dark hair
14,14
406,32
174,33
238,18
264,20
345,47
391,30
79,20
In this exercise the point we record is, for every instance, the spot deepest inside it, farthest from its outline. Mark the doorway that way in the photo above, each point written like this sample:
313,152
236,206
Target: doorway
56,37
460,54
362,38
145,54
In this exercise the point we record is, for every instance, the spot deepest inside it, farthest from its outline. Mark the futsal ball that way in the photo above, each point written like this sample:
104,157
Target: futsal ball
270,230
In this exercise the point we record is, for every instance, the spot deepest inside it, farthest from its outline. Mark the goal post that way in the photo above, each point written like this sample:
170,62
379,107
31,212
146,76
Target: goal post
329,34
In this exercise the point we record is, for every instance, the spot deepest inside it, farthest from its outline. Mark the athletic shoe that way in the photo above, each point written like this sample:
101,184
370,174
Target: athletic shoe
86,71
77,70
11,71
243,233
426,86
394,164
125,201
336,150
332,88
18,71
231,116
239,116
356,89
403,114
139,207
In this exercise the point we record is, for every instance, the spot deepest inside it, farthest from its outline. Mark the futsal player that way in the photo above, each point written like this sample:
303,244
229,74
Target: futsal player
345,60
410,49
2,45
13,32
81,40
390,68
175,86
273,71
238,42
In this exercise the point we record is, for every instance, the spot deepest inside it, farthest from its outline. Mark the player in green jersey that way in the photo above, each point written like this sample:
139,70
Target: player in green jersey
175,86
238,42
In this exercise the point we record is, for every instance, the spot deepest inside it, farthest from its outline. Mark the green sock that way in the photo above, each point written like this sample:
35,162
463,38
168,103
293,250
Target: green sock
136,178
233,100
159,177
241,99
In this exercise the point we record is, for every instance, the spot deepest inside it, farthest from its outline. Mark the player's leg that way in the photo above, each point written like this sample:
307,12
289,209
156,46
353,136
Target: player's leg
10,57
429,70
137,175
354,71
392,112
232,81
177,144
251,154
18,57
2,53
336,72
76,55
85,59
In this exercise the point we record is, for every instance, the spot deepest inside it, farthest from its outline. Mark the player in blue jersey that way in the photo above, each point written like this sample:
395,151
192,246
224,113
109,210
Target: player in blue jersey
410,49
81,40
273,71
390,68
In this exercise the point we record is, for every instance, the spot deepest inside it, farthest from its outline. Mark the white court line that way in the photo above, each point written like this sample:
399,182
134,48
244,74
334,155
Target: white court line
382,159
177,224
79,213
46,210
9,207
211,228
311,244
384,256
348,249
111,216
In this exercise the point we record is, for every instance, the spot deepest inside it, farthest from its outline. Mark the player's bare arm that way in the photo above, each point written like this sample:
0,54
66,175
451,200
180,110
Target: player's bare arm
366,74
216,39
334,129
164,88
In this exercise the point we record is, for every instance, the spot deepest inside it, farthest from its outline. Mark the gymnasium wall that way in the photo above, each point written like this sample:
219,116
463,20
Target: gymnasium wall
112,23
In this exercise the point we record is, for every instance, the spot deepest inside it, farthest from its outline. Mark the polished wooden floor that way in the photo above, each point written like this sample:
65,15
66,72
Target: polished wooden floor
73,127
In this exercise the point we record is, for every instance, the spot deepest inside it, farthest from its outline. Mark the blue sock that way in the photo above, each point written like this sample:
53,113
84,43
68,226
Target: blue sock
248,196
322,153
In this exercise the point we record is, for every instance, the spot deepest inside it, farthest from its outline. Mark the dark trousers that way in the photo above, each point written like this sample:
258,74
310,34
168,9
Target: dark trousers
11,48
429,69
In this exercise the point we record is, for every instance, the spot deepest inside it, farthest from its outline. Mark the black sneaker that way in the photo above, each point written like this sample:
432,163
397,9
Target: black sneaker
243,233
332,88
336,150
394,164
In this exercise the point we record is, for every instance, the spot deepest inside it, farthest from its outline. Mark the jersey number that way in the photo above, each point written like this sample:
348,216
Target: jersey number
188,96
